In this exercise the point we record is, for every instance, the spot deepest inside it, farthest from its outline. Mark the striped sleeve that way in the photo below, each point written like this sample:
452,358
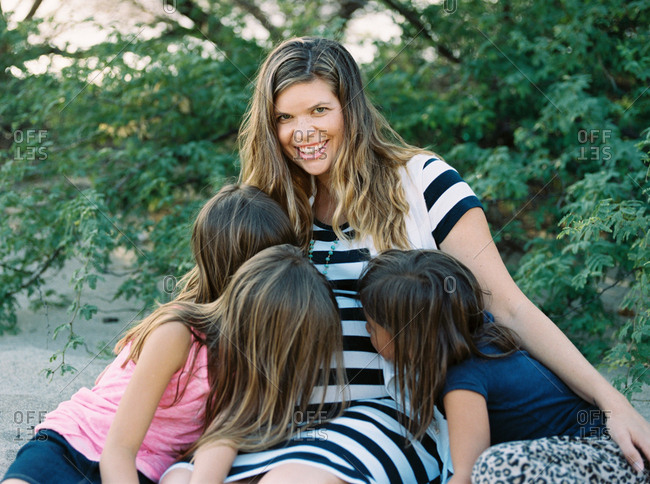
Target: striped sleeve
447,197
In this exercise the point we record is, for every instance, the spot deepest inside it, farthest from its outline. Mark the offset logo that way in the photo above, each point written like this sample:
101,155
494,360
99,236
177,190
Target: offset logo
589,150
169,6
450,6
591,421
30,144
169,284
311,136
25,423
449,284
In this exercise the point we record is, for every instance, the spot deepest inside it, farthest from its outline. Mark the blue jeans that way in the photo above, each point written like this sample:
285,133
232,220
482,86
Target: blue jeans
49,458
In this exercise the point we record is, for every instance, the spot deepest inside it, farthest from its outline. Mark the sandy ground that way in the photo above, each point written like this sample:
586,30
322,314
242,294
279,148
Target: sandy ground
26,395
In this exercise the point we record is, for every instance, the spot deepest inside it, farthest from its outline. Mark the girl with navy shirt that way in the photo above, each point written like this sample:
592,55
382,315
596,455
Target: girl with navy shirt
426,315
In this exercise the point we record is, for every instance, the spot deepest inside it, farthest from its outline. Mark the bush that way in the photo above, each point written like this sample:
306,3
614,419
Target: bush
544,108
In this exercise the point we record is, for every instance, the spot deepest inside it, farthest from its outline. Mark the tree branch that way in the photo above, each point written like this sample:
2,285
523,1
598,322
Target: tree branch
414,18
206,23
14,269
348,7
35,5
46,265
46,49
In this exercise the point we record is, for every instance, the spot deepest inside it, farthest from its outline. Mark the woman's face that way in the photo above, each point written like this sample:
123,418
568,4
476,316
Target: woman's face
310,126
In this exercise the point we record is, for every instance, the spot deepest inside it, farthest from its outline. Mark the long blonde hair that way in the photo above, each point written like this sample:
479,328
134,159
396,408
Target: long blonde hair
234,225
364,176
279,332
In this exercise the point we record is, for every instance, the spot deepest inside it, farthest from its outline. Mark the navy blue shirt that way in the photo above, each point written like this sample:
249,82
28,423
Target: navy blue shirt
525,400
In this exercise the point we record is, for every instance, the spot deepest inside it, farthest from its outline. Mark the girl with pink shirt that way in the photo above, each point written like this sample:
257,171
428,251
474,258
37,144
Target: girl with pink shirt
148,406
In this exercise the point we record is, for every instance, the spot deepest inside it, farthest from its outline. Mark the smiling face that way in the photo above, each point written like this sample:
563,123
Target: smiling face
381,339
310,126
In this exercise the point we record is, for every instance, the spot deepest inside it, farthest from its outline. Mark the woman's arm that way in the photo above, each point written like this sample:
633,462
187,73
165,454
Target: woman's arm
469,431
470,242
212,462
163,354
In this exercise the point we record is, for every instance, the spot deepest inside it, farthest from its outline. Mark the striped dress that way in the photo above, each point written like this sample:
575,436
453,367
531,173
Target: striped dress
366,444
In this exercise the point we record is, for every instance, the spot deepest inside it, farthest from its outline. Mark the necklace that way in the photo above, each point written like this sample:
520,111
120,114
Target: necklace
329,254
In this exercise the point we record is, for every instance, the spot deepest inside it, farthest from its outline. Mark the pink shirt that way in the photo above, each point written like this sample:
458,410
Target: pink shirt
84,420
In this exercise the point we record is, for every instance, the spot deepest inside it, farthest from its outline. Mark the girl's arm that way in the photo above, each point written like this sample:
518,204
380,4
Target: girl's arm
212,462
163,354
469,431
470,242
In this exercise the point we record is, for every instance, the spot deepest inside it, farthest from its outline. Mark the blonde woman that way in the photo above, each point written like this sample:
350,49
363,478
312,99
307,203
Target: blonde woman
352,187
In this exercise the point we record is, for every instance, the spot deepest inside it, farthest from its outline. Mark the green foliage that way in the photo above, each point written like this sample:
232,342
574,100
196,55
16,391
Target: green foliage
541,106
112,152
610,235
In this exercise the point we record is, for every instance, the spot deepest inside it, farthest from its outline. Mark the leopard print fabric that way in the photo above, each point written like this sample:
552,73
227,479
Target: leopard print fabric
556,460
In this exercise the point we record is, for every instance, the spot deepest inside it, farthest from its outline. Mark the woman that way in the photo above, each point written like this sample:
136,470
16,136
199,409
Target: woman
352,187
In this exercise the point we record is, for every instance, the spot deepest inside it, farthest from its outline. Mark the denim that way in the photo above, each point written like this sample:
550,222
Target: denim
49,459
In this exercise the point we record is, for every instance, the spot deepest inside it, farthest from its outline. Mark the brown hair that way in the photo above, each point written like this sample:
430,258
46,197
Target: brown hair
232,226
279,332
364,177
433,307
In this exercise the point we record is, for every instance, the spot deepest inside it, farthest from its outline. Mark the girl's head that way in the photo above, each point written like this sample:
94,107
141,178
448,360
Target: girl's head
425,309
309,116
235,224
279,332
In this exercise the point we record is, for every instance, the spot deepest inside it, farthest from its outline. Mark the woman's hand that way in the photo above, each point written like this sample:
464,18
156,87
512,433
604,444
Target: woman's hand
630,431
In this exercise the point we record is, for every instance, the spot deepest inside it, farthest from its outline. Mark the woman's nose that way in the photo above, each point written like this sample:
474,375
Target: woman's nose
305,131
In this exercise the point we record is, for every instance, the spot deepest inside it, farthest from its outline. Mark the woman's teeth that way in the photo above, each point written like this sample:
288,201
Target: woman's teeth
310,150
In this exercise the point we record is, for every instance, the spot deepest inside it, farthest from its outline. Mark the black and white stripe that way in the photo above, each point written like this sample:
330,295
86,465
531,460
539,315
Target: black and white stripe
366,444
447,197
363,367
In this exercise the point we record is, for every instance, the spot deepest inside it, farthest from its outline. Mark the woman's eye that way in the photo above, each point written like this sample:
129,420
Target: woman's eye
282,117
320,110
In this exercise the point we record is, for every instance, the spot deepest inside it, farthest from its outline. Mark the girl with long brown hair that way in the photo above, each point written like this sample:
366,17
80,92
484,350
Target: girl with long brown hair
427,318
148,405
279,335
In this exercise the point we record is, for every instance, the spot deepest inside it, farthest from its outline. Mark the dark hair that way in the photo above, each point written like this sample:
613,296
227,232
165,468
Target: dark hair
433,307
235,224
232,227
